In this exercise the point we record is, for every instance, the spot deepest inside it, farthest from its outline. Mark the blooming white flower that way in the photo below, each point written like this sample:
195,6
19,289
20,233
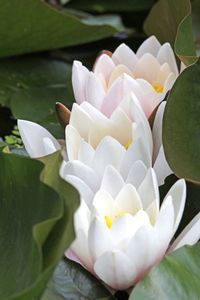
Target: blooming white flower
124,231
149,74
131,140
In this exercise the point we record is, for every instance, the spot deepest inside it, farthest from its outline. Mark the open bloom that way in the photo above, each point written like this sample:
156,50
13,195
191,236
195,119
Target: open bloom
149,74
131,139
124,231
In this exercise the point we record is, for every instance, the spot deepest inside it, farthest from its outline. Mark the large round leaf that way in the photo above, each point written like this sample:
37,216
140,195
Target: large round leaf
175,277
33,25
36,225
181,125
174,27
71,281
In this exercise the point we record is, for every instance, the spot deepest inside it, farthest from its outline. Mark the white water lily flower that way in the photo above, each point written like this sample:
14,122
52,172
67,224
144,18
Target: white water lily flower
131,140
125,232
149,74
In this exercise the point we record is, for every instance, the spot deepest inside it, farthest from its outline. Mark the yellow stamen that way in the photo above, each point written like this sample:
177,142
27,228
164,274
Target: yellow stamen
128,144
109,221
158,88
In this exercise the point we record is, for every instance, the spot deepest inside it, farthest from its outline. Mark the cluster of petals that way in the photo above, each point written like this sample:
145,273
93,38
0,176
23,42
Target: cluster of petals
124,232
149,74
117,163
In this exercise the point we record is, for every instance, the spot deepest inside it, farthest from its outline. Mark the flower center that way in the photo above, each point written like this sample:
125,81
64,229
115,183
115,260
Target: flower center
158,88
109,220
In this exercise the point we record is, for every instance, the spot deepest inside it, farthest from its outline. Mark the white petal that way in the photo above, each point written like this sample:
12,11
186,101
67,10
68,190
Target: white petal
118,91
164,225
124,227
142,250
116,270
80,120
94,91
128,200
150,45
112,181
103,203
135,152
108,152
117,72
157,129
37,140
85,191
139,118
189,236
124,55
161,167
79,80
73,139
99,238
82,171
80,248
178,194
104,65
166,55
137,174
148,189
147,68
85,153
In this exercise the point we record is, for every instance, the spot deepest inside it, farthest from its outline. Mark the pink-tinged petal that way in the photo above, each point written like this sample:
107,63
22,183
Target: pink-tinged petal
137,174
148,190
166,55
128,200
84,172
147,68
122,87
85,153
73,139
37,140
178,195
108,152
150,45
99,238
157,129
150,98
72,256
163,74
189,236
164,225
80,120
142,250
112,182
85,191
104,65
94,93
124,55
135,152
116,270
161,167
117,72
80,76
